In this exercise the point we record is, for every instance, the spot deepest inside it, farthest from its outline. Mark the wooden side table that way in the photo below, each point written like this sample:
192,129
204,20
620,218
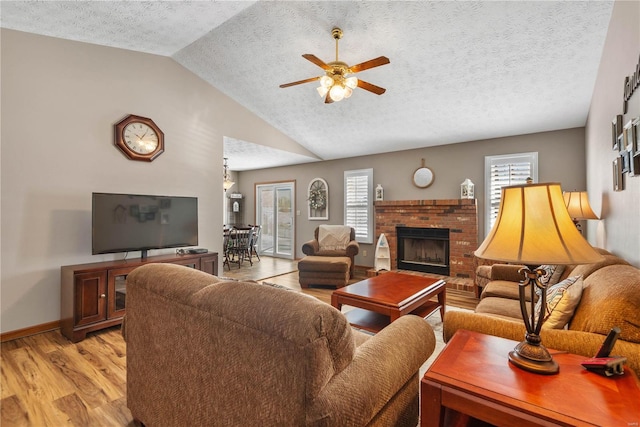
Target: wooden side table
473,380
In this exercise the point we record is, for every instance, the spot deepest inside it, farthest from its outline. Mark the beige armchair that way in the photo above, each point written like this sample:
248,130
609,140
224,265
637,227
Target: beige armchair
202,351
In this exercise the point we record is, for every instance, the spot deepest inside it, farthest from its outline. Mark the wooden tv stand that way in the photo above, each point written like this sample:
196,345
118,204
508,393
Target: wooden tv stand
93,295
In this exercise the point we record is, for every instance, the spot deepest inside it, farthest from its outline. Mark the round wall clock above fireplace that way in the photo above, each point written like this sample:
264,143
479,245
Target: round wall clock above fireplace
139,138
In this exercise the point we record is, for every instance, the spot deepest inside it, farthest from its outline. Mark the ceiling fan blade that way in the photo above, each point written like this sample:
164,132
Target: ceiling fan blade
327,99
376,62
371,88
312,79
319,62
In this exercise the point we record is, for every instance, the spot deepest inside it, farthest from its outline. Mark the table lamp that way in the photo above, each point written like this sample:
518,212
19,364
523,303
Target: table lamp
577,203
533,227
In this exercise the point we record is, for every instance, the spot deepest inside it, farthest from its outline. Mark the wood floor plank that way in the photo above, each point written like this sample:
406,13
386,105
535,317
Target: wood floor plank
40,380
83,376
38,386
104,359
12,413
46,342
34,412
113,413
11,379
74,408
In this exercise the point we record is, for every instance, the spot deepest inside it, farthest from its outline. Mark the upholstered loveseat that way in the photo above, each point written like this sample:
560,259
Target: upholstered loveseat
610,296
202,351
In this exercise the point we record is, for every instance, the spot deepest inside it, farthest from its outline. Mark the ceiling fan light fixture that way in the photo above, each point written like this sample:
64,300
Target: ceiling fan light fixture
335,85
326,81
322,91
351,82
337,93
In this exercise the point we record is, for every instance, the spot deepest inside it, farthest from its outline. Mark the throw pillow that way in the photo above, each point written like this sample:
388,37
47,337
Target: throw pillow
562,299
553,274
333,237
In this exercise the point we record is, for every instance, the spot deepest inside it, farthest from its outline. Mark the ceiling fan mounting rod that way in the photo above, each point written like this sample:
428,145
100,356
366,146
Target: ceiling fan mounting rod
337,34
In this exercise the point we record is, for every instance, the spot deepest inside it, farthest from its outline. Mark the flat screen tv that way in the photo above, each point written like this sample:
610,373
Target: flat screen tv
135,222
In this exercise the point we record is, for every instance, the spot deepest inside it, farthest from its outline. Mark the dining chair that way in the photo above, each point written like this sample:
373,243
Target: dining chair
240,245
257,229
225,249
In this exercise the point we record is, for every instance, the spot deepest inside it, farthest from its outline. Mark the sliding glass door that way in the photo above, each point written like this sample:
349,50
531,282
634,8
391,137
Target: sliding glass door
275,203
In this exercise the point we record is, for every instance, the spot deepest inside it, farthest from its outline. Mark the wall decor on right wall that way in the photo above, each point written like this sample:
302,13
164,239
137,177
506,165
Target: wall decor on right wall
634,147
618,183
616,132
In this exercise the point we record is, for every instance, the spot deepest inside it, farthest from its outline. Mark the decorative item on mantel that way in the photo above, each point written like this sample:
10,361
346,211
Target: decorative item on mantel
466,189
379,193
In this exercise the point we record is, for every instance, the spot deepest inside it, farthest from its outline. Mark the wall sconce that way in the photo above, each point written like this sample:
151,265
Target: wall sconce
227,183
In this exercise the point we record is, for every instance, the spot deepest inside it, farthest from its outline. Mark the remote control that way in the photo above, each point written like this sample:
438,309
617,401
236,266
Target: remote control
607,345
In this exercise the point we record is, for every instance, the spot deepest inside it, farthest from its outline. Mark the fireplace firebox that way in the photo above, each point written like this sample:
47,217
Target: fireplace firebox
423,249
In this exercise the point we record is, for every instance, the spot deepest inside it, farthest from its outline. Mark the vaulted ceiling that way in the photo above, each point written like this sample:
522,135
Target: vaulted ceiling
459,71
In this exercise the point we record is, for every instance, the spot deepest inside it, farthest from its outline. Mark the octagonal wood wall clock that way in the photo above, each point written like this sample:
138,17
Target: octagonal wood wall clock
139,138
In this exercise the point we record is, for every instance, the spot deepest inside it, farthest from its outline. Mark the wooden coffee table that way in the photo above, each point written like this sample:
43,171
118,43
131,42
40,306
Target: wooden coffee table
472,379
384,298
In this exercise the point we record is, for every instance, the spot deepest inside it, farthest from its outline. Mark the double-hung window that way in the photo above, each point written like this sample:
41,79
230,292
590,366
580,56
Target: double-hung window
358,203
502,171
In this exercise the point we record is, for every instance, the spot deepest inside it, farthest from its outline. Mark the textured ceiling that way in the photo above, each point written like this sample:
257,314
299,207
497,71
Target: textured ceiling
459,71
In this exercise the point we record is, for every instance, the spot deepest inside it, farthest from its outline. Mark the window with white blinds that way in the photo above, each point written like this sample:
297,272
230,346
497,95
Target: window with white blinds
358,203
502,171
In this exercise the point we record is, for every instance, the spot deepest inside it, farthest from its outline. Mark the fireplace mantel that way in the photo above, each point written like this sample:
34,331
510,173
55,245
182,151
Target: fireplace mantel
434,202
460,216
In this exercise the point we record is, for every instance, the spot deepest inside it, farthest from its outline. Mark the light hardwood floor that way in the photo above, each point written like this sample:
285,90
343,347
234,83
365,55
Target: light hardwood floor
49,381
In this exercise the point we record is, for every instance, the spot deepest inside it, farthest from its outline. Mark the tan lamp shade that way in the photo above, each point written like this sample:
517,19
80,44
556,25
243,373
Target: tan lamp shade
533,227
578,206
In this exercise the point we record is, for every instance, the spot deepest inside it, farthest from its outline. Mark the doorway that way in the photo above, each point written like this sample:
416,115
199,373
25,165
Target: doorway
275,207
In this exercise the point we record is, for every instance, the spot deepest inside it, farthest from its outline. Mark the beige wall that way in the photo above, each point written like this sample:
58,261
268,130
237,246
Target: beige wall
60,100
619,229
561,158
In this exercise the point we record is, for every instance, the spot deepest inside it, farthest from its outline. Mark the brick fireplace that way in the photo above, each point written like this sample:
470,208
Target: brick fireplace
459,216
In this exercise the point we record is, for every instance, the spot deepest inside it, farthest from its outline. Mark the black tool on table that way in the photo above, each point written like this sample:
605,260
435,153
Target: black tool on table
604,364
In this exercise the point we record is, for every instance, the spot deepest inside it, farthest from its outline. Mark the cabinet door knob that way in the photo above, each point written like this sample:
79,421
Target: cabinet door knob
103,296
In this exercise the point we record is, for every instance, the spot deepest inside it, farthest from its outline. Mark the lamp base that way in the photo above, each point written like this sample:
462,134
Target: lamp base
533,358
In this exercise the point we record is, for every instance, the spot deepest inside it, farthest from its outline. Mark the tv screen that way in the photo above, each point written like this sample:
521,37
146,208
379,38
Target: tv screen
134,222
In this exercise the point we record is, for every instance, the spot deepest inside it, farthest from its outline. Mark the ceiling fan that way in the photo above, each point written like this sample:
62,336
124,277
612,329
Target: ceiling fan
336,84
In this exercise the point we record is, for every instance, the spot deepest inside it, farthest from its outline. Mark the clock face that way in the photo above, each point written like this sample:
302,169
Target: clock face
140,138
